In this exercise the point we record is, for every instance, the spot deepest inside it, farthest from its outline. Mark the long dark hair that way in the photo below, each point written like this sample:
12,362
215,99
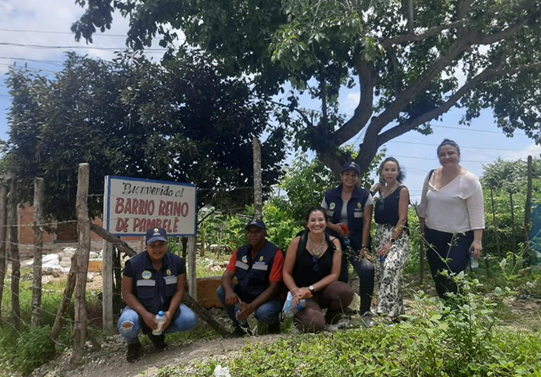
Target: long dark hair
315,209
401,173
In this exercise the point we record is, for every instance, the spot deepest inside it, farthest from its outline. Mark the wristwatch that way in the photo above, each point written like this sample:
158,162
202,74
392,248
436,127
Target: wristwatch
393,240
312,289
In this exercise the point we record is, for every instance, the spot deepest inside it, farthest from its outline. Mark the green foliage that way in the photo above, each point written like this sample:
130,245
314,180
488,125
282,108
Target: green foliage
186,122
459,339
406,67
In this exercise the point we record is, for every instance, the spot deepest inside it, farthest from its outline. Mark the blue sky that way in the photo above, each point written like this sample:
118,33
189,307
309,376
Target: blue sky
25,25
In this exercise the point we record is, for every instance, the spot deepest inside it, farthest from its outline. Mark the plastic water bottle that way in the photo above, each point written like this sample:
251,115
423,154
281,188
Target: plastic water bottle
160,318
237,311
474,263
301,305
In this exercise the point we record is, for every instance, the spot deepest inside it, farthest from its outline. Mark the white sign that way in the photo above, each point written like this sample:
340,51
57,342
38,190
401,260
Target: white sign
132,206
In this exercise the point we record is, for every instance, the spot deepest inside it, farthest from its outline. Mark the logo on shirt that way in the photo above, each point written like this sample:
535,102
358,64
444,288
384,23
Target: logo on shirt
168,272
332,206
146,274
359,205
261,258
245,259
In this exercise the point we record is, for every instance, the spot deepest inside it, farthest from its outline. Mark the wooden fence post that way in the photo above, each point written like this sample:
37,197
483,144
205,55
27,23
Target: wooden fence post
13,246
38,250
258,186
513,228
421,250
107,276
528,216
3,228
495,221
192,270
83,251
66,298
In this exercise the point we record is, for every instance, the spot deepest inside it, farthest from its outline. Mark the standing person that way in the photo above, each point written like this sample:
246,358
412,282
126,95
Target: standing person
153,281
311,271
452,216
392,237
352,206
258,268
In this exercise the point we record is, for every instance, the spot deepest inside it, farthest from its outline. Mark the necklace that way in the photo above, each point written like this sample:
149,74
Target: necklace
386,192
316,251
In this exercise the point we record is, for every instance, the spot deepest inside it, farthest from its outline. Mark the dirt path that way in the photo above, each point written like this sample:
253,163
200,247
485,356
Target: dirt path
110,361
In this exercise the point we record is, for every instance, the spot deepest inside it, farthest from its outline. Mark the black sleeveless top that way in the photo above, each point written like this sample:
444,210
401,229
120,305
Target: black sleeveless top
386,210
303,272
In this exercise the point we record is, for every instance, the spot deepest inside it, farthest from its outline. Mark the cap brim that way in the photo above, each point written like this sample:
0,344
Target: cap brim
157,238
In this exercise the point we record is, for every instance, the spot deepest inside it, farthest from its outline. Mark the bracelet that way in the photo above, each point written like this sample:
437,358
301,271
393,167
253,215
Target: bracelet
364,248
295,289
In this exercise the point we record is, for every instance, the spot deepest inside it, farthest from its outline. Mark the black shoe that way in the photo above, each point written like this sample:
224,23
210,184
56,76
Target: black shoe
274,328
133,352
367,320
240,331
158,341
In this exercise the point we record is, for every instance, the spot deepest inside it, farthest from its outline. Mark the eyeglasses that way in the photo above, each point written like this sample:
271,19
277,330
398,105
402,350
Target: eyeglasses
315,263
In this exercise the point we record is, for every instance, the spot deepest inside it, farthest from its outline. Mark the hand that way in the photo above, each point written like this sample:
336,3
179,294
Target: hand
365,253
300,294
338,229
244,311
384,251
375,188
231,298
168,318
476,248
150,320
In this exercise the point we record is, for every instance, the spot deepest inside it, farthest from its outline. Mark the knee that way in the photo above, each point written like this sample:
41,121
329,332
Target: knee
267,315
188,318
310,320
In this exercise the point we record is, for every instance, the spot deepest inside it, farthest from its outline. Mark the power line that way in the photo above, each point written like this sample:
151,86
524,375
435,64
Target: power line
51,62
64,33
462,146
11,44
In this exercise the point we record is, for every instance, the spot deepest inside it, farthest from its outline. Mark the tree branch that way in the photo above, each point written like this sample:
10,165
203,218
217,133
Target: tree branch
483,76
363,112
493,38
303,116
420,37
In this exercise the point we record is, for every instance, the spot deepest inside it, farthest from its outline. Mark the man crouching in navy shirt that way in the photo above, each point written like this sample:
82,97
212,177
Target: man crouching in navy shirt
153,281
258,268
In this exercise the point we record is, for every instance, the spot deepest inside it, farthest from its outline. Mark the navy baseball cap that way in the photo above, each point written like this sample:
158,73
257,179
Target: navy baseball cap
156,234
258,223
351,166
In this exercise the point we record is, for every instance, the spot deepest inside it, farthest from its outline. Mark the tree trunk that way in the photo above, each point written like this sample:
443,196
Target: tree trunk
258,186
13,246
38,250
83,230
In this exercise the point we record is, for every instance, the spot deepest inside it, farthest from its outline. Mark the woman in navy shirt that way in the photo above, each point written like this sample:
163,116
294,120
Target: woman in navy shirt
392,237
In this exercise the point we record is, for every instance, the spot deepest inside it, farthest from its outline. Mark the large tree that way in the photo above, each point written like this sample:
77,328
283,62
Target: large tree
411,61
187,122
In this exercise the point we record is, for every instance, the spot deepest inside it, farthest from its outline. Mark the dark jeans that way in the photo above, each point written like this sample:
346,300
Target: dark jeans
268,313
447,252
366,272
335,297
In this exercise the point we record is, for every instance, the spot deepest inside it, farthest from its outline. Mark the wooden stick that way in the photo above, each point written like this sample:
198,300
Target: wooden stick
38,251
204,315
110,237
13,250
66,298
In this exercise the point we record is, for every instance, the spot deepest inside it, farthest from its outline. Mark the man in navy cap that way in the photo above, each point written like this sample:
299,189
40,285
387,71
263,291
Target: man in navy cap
154,281
258,268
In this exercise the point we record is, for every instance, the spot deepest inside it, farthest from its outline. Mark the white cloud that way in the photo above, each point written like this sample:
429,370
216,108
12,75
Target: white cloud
530,150
350,104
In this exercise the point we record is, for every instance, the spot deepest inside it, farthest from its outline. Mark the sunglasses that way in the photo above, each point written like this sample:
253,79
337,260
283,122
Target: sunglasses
315,263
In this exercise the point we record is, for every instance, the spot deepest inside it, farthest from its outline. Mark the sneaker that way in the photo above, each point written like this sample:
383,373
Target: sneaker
133,352
343,323
158,341
367,320
274,328
240,331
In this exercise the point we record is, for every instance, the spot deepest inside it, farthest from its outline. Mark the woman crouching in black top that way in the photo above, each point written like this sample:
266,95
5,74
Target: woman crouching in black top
311,270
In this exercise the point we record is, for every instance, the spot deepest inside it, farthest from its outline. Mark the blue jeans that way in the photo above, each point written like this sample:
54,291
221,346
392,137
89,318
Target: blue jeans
132,323
268,313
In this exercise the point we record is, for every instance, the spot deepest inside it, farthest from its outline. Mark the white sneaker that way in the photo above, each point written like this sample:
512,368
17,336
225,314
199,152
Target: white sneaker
343,323
331,328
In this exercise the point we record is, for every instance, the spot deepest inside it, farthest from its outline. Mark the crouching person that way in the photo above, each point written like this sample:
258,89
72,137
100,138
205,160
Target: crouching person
258,268
153,281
